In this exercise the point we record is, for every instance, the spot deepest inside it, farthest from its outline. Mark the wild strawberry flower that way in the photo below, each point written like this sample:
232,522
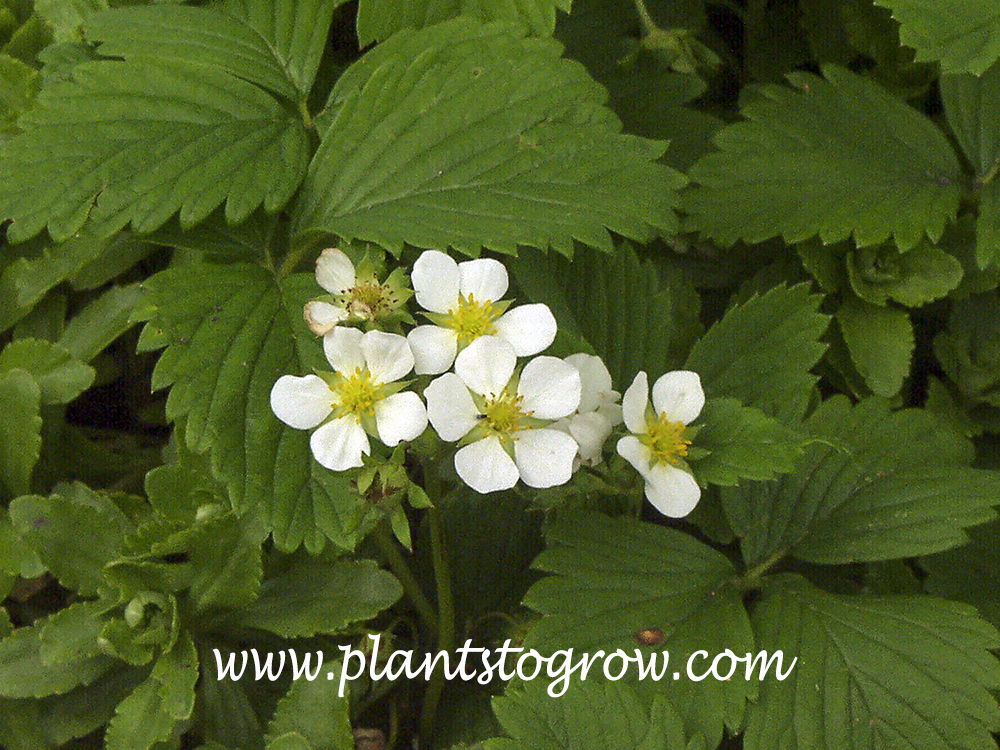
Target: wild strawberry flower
361,397
355,293
661,437
502,420
598,413
463,300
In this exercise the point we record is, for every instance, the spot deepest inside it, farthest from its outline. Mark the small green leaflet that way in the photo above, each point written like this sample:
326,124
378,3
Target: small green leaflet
380,19
897,485
963,34
590,716
60,377
614,578
880,341
833,157
473,136
901,672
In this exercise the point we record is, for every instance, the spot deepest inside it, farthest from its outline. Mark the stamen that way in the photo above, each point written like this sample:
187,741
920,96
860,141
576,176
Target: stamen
666,440
472,319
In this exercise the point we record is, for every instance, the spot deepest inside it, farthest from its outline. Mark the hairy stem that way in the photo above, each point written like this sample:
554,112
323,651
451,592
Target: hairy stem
399,567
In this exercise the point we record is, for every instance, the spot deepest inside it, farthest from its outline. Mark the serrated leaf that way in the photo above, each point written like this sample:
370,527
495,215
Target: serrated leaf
64,17
969,348
20,431
902,672
226,556
612,579
154,709
886,485
17,558
963,34
797,167
590,716
60,376
472,136
380,19
233,332
19,85
92,329
880,341
913,278
633,320
136,141
71,634
761,352
312,709
313,598
228,715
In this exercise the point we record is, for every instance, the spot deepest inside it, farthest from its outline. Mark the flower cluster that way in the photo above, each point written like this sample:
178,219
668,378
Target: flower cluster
536,423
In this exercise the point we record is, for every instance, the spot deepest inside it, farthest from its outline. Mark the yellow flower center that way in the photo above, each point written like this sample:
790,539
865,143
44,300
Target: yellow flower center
472,319
665,439
356,394
502,415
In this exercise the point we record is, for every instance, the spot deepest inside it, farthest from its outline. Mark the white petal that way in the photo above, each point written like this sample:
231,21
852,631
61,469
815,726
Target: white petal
544,457
679,396
342,347
322,317
550,387
486,365
635,453
388,356
485,466
611,411
590,430
450,408
301,403
435,281
483,278
529,328
672,491
595,379
433,349
634,404
338,445
401,416
334,271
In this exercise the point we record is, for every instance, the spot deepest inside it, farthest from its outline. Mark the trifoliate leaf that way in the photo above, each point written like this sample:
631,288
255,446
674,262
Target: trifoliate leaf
969,348
914,278
321,598
613,579
233,332
135,141
380,19
472,136
963,34
902,672
833,157
154,709
760,352
20,431
590,716
880,341
313,709
884,485
59,375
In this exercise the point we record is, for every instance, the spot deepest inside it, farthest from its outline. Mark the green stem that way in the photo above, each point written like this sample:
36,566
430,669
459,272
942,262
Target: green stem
397,563
446,625
751,578
989,176
648,24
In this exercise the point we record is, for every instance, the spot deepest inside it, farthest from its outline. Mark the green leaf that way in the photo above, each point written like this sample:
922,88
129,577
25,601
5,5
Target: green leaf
20,430
874,672
835,158
900,486
969,573
380,19
969,348
17,558
155,709
233,331
71,634
880,341
988,225
313,709
228,715
59,375
590,716
633,320
135,141
913,278
613,579
320,597
963,34
743,443
75,531
93,328
19,85
760,352
226,556
64,17
472,136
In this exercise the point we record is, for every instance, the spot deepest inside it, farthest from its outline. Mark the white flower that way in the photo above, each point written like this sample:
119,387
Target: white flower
599,410
661,438
463,300
503,421
356,294
361,397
